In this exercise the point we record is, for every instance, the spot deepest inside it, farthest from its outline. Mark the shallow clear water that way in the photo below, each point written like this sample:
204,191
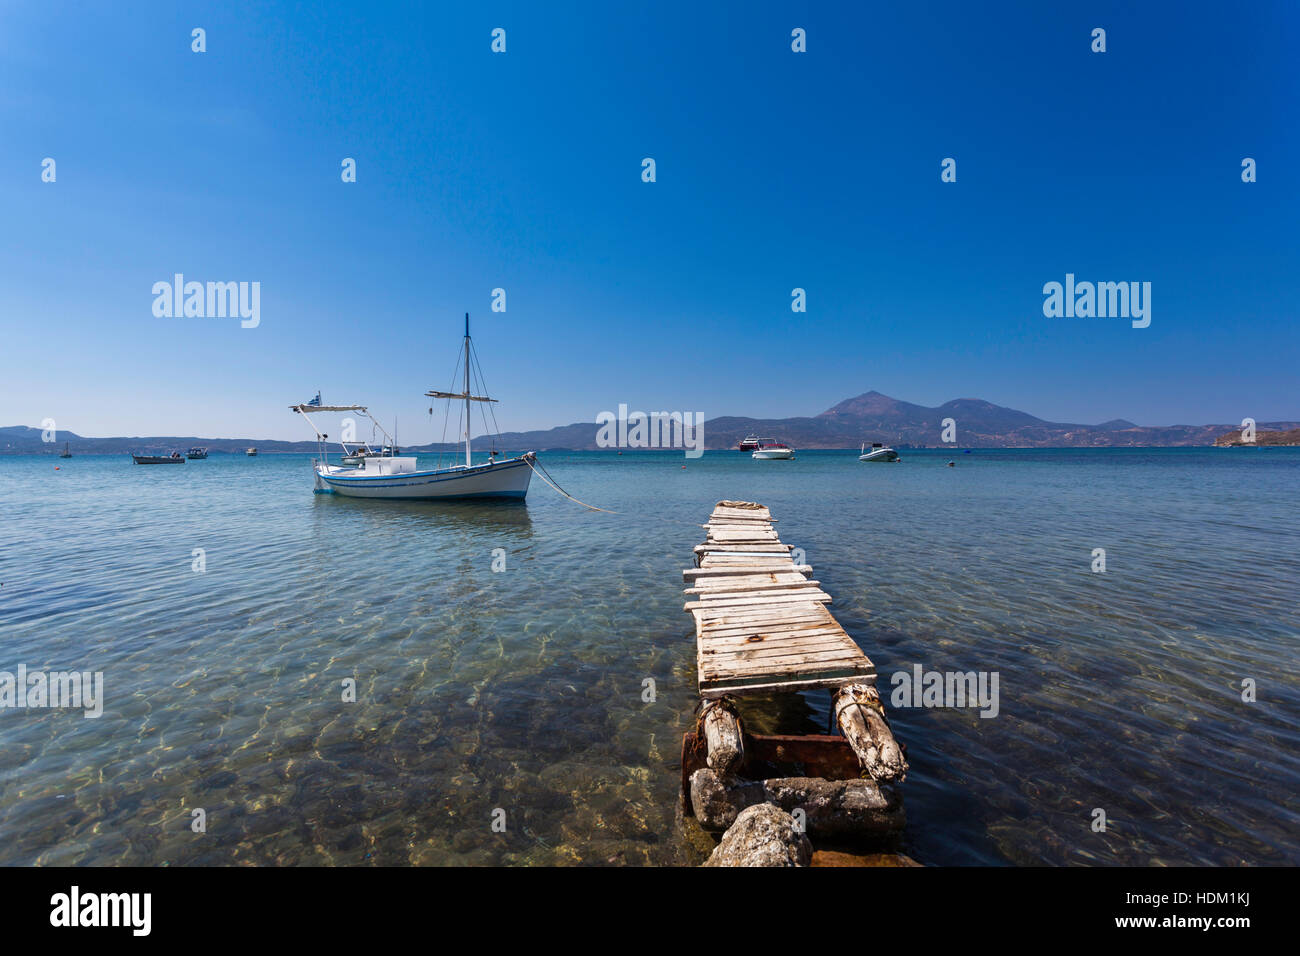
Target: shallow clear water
522,690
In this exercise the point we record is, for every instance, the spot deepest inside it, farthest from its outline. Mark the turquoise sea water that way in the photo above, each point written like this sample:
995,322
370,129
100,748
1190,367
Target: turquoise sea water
522,690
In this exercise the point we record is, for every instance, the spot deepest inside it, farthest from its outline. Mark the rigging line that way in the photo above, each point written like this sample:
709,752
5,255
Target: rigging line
490,406
482,379
477,372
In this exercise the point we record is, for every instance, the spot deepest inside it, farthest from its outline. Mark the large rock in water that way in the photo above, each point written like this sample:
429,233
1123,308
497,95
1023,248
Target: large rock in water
763,835
832,808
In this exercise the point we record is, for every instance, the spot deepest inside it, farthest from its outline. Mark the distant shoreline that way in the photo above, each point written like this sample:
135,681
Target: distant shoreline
54,452
870,417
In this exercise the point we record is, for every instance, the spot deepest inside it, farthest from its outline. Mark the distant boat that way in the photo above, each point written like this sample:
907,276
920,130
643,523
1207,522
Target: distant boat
357,455
878,453
67,452
196,454
250,452
388,476
748,443
175,458
770,448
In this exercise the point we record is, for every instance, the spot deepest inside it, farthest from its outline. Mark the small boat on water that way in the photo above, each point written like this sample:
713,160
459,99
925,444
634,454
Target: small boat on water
748,443
196,454
250,452
770,448
878,453
67,451
356,455
388,475
175,458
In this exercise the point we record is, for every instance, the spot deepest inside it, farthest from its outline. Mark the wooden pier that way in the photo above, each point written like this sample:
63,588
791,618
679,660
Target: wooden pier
760,623
762,627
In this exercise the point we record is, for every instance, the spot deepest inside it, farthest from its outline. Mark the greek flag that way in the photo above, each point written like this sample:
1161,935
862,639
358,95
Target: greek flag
316,400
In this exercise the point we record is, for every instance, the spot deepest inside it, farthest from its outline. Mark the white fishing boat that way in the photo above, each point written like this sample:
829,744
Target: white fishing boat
878,453
391,476
770,448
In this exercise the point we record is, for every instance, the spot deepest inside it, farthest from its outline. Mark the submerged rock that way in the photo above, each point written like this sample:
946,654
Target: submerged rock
830,807
763,835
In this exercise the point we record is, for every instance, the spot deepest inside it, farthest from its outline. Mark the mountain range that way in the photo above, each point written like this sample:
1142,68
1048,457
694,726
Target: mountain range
869,417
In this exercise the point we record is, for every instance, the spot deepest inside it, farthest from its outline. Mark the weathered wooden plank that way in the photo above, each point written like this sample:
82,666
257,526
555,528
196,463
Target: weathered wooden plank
737,552
720,667
741,508
689,574
717,674
716,666
784,683
721,556
709,620
795,596
722,588
756,588
737,581
765,631
821,597
725,535
744,550
713,617
762,598
740,641
751,587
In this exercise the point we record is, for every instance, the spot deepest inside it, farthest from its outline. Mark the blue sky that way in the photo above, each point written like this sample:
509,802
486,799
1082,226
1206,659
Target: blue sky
522,170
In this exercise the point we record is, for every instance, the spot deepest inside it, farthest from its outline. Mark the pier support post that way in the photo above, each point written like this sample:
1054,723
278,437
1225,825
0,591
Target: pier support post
723,734
861,718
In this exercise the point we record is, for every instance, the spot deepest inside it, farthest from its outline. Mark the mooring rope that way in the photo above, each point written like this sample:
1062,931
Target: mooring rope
546,477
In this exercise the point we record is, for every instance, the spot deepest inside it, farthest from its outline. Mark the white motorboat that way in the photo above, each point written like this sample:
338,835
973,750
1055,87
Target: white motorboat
878,453
770,448
386,474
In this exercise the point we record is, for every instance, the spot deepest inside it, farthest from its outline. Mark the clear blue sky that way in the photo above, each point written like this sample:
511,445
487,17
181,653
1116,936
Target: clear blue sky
523,170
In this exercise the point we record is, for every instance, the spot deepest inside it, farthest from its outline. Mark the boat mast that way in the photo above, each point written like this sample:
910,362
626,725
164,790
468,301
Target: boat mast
467,458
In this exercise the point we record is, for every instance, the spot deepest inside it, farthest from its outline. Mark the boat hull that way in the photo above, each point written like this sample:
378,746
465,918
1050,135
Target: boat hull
504,479
885,454
774,454
156,460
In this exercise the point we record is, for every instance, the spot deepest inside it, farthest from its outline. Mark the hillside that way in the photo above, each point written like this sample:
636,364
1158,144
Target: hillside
868,417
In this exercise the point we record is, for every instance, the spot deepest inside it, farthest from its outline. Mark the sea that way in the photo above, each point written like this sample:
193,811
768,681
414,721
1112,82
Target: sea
294,678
